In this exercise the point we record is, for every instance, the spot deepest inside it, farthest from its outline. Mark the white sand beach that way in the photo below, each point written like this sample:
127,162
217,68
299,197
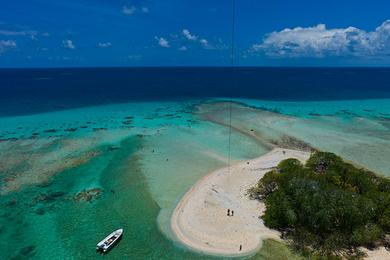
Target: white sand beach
200,219
377,254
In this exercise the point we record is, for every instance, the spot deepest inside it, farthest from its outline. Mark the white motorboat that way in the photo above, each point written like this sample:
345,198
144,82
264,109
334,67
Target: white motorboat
108,242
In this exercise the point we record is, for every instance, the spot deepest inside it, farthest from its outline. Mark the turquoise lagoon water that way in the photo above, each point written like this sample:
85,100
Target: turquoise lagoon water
357,130
139,157
70,177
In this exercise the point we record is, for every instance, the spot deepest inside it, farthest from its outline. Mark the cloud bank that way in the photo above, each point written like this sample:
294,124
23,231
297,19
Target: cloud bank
186,40
30,34
128,10
187,34
319,41
104,44
131,10
162,42
6,45
68,44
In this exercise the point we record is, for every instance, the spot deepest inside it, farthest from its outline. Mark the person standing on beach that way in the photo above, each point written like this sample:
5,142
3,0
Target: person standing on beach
232,213
228,212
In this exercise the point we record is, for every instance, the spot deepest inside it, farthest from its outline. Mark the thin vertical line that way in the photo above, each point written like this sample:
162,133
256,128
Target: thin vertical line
233,75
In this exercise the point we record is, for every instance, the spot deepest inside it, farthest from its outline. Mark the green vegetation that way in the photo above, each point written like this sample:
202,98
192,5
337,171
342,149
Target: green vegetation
272,249
327,207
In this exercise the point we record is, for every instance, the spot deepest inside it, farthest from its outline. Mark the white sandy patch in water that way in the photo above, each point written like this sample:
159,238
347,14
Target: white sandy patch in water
174,159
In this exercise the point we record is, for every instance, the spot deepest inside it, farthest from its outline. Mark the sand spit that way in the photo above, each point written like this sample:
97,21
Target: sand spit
200,219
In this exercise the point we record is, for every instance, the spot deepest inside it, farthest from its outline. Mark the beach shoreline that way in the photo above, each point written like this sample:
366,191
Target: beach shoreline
200,220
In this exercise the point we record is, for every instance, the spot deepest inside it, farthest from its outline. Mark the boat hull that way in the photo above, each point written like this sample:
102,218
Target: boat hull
110,241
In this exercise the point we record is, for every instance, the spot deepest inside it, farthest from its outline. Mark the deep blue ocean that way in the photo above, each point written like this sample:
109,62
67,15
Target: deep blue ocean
29,91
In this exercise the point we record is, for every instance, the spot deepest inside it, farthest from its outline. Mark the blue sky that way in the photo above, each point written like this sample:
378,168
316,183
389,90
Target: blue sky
61,33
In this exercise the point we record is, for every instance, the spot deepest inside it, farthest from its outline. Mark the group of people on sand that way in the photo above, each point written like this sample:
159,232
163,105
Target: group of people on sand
230,213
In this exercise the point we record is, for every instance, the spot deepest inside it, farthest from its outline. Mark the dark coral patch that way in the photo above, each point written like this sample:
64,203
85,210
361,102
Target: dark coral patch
127,122
99,129
72,129
50,131
314,114
87,195
28,251
40,211
112,148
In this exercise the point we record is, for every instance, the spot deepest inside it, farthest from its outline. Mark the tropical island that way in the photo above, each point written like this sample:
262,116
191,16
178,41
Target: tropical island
313,202
326,207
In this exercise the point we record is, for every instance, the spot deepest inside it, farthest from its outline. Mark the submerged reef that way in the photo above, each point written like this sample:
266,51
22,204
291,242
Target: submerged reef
88,195
292,143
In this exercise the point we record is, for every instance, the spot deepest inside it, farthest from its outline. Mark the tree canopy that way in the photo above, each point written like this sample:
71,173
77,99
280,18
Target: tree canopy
327,206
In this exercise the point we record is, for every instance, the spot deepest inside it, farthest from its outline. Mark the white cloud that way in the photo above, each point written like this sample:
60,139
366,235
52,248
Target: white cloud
104,44
205,43
13,33
6,45
186,40
129,10
33,36
319,41
30,34
189,36
68,44
162,42
220,45
134,57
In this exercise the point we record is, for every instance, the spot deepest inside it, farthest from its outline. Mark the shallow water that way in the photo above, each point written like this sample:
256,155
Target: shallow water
358,130
70,177
140,158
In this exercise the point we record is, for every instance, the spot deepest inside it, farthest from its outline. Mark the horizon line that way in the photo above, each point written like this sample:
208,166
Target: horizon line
196,66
